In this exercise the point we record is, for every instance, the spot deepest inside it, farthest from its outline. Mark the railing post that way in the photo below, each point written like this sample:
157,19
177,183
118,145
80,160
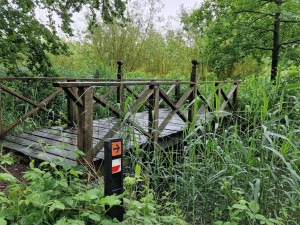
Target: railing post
85,123
72,108
235,96
153,115
194,93
177,91
217,96
120,90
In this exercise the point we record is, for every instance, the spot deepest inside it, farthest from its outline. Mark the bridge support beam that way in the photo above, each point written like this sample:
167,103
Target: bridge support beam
85,123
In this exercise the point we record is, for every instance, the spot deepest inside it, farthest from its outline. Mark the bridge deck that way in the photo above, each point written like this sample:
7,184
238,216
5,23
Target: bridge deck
59,142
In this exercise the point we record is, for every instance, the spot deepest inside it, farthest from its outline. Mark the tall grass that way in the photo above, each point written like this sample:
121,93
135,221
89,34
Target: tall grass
243,169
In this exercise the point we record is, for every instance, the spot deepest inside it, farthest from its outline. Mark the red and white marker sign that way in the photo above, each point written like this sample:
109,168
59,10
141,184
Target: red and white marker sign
116,166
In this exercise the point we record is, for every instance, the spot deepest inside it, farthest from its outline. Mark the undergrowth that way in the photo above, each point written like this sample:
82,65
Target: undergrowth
243,169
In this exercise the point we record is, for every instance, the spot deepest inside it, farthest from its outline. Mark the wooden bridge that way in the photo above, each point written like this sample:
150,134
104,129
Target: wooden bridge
153,113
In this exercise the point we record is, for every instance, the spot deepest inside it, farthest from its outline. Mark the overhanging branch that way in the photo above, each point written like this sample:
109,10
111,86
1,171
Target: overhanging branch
290,42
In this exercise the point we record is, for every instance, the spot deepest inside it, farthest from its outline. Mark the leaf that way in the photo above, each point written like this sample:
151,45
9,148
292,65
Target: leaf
138,171
110,200
218,223
93,194
292,86
56,205
239,206
7,177
2,221
95,217
254,207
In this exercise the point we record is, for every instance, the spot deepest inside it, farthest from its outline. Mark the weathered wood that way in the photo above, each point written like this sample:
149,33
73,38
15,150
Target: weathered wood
109,84
119,114
145,95
31,112
40,105
72,108
120,90
217,95
169,92
192,97
153,116
177,92
206,101
235,96
85,123
176,109
34,153
154,126
227,98
73,95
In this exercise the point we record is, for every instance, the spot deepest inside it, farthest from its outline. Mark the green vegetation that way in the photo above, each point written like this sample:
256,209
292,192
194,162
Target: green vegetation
243,169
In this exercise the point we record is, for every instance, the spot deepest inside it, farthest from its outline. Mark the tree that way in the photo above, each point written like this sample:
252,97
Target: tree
236,29
25,40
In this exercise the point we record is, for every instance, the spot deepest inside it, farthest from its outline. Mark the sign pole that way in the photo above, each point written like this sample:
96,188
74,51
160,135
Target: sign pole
113,175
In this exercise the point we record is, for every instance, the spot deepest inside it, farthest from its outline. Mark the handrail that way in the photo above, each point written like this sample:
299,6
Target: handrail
82,100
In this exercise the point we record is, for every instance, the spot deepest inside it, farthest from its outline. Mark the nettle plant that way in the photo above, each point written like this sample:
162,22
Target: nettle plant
64,194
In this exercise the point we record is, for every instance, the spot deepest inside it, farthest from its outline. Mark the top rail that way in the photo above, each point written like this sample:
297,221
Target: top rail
183,99
51,79
117,83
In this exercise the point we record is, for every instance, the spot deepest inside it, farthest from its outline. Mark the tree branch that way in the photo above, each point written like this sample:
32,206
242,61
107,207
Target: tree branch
290,42
255,12
289,21
262,48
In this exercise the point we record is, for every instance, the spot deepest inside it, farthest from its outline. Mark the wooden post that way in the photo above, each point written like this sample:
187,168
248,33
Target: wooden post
120,90
217,96
235,96
194,93
72,109
85,123
153,116
177,91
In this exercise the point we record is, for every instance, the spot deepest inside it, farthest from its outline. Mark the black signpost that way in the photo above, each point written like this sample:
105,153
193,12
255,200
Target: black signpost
113,178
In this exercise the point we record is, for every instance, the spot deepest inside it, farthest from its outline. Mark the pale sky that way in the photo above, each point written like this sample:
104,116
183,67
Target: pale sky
172,7
170,11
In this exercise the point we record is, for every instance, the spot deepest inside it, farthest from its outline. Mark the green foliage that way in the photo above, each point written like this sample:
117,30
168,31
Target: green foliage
6,159
233,30
56,195
25,40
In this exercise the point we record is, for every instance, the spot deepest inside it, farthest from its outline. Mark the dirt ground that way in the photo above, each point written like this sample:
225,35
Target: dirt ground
17,170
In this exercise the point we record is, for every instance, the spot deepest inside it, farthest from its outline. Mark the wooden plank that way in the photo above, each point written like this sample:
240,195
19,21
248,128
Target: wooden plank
227,97
35,153
85,124
56,136
38,105
29,144
73,95
109,84
31,112
176,109
42,138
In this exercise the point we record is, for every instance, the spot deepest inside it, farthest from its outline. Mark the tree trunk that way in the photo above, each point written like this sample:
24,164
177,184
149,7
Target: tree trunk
276,45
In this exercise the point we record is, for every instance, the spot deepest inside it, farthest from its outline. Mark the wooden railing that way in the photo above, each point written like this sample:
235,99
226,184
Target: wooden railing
153,95
186,99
